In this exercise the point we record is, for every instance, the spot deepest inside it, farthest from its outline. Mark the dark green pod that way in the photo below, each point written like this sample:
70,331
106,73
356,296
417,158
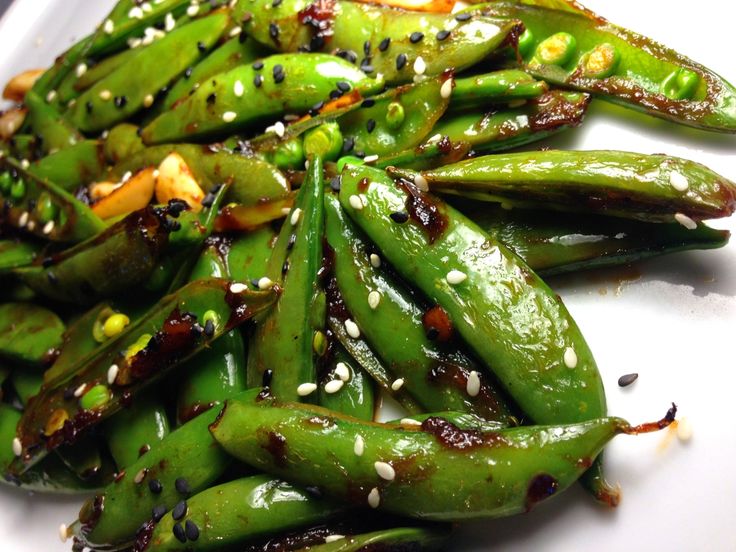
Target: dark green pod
401,538
29,333
14,254
72,167
54,129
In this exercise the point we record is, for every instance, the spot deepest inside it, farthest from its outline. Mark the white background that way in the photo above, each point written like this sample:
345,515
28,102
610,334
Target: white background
675,324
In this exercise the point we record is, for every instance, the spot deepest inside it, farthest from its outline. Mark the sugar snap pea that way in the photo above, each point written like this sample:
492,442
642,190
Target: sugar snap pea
72,167
29,333
354,395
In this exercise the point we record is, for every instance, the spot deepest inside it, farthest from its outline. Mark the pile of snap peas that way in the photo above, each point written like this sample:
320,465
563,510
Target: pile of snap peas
227,228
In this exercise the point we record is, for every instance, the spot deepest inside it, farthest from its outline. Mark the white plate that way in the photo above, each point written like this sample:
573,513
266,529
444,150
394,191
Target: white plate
673,325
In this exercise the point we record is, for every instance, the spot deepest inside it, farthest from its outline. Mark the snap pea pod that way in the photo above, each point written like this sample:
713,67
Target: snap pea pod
251,180
58,415
85,461
246,218
26,383
122,142
583,51
124,91
92,75
16,253
23,146
40,207
285,83
29,333
390,40
434,372
355,397
63,65
72,167
400,538
653,188
53,128
498,87
248,255
9,418
551,244
284,339
435,471
236,512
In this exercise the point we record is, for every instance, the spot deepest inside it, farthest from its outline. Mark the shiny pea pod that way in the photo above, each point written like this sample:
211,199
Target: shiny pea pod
92,75
72,167
124,91
122,142
15,253
653,188
283,339
354,395
387,41
502,86
29,333
244,96
238,511
413,471
248,255
406,336
54,130
166,336
577,49
400,538
249,218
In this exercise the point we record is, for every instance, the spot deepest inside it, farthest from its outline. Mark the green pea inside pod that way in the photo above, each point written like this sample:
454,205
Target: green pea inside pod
6,182
98,332
601,61
18,189
46,209
526,42
325,141
557,49
289,154
97,396
395,115
348,160
680,84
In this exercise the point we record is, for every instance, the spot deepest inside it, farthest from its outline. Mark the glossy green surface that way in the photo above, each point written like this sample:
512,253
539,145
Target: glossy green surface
356,397
55,131
14,254
410,538
28,332
72,167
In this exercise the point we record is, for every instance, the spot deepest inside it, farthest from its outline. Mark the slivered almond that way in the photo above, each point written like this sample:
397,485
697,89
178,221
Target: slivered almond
21,83
134,194
176,181
11,121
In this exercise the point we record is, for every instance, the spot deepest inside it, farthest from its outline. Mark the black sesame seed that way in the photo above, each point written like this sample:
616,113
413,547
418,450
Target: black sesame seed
285,267
179,510
209,328
348,144
415,37
267,377
201,47
211,99
343,86
359,153
47,262
155,486
316,43
399,216
191,530
334,94
347,55
278,73
258,81
442,35
120,101
401,60
384,44
182,485
336,183
370,125
366,66
276,3
88,107
463,16
258,65
69,393
179,533
319,105
627,379
188,72
273,31
158,512
208,200
197,329
291,242
254,282
314,491
367,48
370,102
243,36
432,333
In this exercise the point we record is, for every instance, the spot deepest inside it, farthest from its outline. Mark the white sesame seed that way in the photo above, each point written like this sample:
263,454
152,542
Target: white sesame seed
352,329
238,288
570,358
342,371
135,13
192,10
295,216
374,498
421,182
410,422
155,173
51,96
679,181
48,227
238,89
17,447
385,471
306,389
333,538
148,100
285,211
112,373
355,202
684,429
105,95
127,176
455,277
23,219
374,299
446,88
472,386
140,476
134,43
359,446
375,260
108,26
370,158
25,163
277,128
265,283
81,69
31,226
79,391
146,7
334,386
169,22
235,31
397,384
229,116
686,221
419,65
63,532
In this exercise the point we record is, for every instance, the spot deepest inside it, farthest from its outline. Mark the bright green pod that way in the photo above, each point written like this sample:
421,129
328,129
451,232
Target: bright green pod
122,142
92,75
55,130
249,253
29,333
325,141
15,254
355,396
242,97
497,87
124,91
72,167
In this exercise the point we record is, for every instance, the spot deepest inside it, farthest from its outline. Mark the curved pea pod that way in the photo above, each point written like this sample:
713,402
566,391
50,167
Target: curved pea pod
15,253
415,343
355,395
124,91
389,41
29,333
284,339
97,72
248,255
122,142
551,244
580,50
286,83
399,538
236,512
507,315
72,167
502,86
133,432
54,129
435,471
653,188
251,180
26,383
40,207
63,65
115,260
145,351
234,53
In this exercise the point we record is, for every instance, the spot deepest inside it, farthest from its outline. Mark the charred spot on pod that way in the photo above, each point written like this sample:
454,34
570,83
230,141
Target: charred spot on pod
450,436
425,211
144,535
276,446
437,323
542,486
